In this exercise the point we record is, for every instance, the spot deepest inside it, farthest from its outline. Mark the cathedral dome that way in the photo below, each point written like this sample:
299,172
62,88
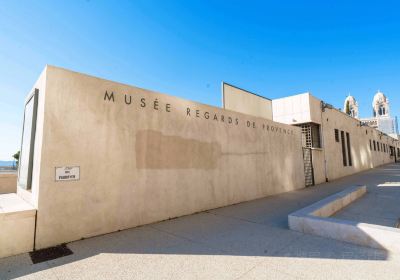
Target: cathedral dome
379,98
351,100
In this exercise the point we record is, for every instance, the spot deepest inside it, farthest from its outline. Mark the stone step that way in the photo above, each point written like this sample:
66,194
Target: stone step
17,225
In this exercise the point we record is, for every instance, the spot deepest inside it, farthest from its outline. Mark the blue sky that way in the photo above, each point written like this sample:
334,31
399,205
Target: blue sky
186,48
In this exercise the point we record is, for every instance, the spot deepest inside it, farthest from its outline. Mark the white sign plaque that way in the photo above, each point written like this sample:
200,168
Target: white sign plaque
67,173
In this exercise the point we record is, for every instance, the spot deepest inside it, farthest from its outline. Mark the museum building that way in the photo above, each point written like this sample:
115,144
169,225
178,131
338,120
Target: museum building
99,156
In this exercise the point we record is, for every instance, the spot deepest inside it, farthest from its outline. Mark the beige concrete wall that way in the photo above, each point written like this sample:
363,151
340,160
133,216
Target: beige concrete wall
155,158
305,108
8,183
318,158
362,156
315,109
242,101
297,109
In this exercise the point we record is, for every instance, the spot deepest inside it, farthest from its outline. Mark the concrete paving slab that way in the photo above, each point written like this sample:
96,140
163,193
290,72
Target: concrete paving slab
139,240
267,271
310,246
28,271
238,237
381,206
316,268
183,261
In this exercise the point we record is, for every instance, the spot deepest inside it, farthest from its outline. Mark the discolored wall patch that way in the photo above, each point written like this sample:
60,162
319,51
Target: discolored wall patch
155,150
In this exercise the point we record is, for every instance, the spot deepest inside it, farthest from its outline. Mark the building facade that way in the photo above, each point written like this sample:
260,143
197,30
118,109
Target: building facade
99,156
381,118
338,143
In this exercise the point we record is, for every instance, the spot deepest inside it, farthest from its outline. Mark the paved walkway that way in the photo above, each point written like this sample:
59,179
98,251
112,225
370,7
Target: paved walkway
380,205
244,241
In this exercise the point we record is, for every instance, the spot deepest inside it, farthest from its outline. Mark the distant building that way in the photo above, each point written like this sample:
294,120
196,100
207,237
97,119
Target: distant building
381,119
335,144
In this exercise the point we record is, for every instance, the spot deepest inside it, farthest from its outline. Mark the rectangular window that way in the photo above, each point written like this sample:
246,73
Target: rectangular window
316,136
311,136
337,135
374,145
370,144
384,148
28,142
343,148
349,148
379,146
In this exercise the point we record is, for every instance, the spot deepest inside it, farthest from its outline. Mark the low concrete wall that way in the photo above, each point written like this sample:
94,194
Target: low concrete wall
313,220
17,225
8,183
330,205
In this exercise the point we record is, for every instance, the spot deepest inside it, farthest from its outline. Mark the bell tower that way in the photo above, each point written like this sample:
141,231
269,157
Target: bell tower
380,105
351,106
